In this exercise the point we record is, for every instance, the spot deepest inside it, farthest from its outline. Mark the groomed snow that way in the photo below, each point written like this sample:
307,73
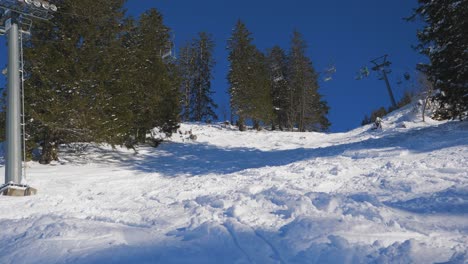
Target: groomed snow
394,196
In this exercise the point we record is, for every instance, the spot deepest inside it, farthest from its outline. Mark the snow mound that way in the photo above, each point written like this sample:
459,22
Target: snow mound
397,195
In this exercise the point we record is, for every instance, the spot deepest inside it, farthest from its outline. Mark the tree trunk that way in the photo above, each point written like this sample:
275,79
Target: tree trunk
256,125
187,102
424,110
49,149
241,124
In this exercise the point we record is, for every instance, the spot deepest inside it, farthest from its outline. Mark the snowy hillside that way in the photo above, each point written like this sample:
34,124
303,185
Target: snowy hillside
394,196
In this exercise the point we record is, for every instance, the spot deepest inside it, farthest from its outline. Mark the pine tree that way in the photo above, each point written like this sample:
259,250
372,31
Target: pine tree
240,53
281,96
98,78
248,79
260,107
186,61
444,40
307,107
65,86
203,106
195,65
155,93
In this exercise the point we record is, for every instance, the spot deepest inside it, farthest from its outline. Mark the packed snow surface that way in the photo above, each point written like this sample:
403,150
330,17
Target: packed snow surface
397,195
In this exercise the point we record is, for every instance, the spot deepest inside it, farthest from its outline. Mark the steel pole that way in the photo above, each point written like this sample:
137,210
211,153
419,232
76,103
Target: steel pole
13,168
389,88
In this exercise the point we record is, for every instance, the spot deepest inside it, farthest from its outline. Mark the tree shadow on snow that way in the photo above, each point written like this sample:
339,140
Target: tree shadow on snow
174,159
453,201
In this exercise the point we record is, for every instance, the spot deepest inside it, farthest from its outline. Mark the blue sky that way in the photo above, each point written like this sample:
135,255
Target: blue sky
346,33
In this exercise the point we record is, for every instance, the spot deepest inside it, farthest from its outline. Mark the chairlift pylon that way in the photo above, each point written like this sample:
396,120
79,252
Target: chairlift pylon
15,21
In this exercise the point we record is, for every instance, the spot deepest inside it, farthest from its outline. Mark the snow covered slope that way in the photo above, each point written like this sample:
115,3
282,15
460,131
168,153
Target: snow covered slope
394,196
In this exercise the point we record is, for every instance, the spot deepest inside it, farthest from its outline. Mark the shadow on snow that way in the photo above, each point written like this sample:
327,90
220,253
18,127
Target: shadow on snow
452,201
173,159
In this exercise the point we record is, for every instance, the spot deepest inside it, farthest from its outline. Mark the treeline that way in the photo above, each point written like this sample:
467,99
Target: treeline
96,74
278,88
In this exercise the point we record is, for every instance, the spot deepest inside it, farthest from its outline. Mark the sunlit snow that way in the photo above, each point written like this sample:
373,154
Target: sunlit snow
399,195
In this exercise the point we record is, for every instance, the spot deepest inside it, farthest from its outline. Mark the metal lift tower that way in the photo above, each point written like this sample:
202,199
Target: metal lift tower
16,18
381,64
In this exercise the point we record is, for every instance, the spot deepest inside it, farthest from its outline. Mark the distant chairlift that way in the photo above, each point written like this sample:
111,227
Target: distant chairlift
278,79
169,52
363,73
329,72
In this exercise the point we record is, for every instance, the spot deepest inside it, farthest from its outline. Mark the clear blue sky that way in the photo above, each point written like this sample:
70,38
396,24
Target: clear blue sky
345,33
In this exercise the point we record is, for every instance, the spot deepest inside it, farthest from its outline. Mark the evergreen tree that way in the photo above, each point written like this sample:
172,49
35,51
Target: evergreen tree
186,65
260,105
444,40
196,64
65,90
98,78
281,95
241,51
203,106
249,82
154,93
307,108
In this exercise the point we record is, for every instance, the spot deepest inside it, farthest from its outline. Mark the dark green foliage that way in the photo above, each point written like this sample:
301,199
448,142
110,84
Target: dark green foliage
444,40
186,66
153,82
64,98
295,95
276,89
307,108
249,80
241,51
204,105
260,103
196,64
280,90
95,75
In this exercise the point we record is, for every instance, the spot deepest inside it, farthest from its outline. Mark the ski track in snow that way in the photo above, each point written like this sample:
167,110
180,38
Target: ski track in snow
394,196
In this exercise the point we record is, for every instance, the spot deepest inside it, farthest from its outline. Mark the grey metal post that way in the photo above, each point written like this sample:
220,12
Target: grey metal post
381,66
389,88
13,167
